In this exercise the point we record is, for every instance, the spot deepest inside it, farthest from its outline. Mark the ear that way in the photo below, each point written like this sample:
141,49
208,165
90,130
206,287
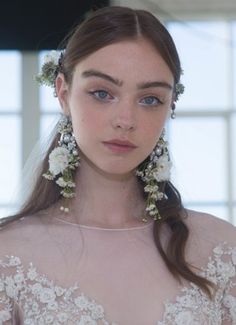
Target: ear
62,91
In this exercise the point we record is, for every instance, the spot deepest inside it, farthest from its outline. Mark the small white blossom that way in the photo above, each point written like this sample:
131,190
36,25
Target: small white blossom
52,305
62,317
18,278
14,261
62,183
35,307
32,274
4,316
234,256
58,160
11,291
97,312
36,288
184,317
82,302
52,56
162,171
49,319
86,320
59,291
47,295
151,188
67,195
229,301
1,285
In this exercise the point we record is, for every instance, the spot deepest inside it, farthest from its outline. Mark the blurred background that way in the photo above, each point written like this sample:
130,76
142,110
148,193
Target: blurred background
202,137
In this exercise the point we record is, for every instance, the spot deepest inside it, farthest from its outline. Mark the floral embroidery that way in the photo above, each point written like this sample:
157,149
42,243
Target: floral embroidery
193,307
42,302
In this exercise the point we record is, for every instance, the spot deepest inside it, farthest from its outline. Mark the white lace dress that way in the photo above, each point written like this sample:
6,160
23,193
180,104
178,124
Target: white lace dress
54,272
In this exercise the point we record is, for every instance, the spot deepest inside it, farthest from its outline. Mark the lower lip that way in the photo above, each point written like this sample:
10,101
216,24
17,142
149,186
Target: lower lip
118,148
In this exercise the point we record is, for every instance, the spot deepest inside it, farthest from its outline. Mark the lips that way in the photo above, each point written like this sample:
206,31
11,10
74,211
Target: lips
121,143
118,146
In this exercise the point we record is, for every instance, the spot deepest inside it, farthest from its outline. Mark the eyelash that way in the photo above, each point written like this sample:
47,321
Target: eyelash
93,93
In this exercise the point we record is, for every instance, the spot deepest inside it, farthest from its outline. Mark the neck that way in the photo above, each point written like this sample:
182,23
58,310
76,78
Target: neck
107,200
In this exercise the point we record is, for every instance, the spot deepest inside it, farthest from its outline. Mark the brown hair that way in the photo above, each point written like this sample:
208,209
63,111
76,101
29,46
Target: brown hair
103,27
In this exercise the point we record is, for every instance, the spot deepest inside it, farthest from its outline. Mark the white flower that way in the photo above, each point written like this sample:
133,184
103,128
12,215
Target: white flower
86,320
49,319
218,250
18,278
1,285
97,312
35,307
14,261
32,274
62,183
229,301
59,291
58,160
4,316
47,295
62,317
82,302
52,305
226,269
11,291
36,288
151,188
162,171
234,256
184,317
52,56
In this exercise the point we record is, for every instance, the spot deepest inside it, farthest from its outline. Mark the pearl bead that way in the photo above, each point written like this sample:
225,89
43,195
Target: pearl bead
66,138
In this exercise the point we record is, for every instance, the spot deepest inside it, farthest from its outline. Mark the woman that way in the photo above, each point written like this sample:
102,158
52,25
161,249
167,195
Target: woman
104,238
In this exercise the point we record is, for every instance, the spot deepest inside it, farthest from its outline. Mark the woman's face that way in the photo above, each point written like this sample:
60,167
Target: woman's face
122,91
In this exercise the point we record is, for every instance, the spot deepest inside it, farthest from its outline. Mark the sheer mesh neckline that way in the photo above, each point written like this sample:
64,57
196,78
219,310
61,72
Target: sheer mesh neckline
147,225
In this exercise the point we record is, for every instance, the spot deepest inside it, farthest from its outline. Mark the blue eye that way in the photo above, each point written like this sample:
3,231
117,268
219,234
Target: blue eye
100,94
151,100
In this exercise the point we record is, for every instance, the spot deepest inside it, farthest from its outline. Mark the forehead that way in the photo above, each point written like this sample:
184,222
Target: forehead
134,59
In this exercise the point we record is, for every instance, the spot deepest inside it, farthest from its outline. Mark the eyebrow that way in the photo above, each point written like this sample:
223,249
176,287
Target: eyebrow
117,82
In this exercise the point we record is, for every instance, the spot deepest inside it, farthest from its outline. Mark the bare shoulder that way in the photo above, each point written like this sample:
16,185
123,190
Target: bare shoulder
210,228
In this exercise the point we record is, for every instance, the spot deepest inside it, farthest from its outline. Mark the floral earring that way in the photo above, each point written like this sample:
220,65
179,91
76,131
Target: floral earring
152,172
63,160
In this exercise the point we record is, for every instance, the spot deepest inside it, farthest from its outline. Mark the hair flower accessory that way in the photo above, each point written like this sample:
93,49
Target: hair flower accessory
50,68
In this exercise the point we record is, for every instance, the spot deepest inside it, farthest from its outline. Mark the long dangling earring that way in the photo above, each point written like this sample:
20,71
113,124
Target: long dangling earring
63,160
173,114
152,172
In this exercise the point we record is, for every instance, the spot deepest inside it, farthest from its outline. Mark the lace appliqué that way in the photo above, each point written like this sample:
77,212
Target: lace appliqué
193,307
42,302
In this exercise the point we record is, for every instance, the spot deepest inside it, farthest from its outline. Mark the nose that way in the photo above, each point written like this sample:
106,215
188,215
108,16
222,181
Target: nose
124,117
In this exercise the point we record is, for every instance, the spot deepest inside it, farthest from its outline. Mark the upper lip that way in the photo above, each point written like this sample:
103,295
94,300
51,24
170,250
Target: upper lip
121,143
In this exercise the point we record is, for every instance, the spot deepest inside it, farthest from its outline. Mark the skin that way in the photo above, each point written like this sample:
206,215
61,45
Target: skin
108,193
